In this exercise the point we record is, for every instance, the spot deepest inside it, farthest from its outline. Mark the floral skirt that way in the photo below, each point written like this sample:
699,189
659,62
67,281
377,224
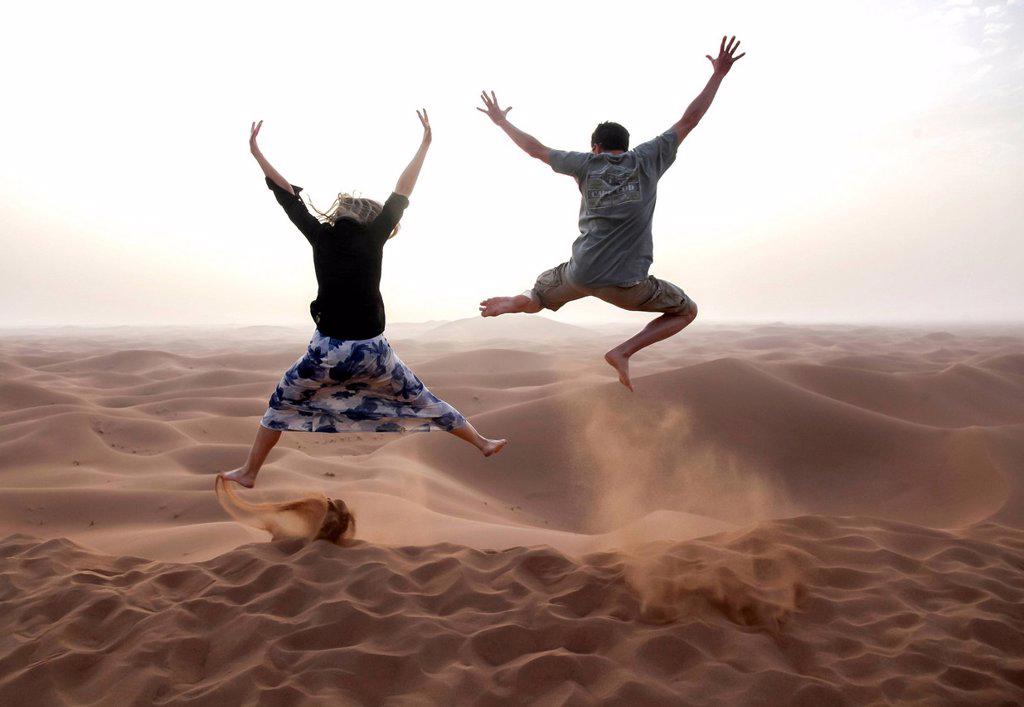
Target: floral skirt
341,385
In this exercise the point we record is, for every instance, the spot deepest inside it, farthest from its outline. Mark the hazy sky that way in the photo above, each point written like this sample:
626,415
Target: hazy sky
864,161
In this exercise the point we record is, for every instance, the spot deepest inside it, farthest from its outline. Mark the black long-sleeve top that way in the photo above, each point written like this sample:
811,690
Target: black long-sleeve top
347,258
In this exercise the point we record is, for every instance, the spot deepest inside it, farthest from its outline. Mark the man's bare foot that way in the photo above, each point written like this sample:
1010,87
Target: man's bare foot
493,446
241,476
620,362
495,306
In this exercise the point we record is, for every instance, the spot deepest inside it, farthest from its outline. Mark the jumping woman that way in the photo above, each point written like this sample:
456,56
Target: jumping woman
350,379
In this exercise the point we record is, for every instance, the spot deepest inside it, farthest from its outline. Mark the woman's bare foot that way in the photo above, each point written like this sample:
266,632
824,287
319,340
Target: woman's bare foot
620,362
494,306
467,433
493,446
241,476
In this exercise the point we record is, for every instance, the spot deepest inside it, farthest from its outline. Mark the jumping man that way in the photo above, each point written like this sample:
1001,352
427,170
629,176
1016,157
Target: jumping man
611,257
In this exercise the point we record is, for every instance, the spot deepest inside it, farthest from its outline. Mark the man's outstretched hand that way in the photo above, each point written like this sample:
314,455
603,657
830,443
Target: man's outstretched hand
498,115
492,109
726,56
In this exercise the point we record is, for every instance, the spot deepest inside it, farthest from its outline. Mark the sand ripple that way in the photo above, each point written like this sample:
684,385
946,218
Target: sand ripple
810,610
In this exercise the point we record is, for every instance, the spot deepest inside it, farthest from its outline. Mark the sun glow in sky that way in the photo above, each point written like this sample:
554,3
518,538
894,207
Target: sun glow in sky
863,162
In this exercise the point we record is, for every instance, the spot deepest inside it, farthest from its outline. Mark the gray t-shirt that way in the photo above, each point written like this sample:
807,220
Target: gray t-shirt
615,246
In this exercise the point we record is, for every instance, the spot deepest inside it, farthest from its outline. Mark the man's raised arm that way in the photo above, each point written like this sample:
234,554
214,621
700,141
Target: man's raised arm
528,143
696,110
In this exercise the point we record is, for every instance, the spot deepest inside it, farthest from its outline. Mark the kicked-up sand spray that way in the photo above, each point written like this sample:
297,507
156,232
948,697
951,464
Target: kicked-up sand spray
312,517
652,462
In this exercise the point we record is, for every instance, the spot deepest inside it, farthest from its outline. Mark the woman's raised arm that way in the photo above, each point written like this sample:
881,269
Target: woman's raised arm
408,179
286,194
268,169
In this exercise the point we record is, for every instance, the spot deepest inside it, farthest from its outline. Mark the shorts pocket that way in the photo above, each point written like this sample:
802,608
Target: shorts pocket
549,279
665,297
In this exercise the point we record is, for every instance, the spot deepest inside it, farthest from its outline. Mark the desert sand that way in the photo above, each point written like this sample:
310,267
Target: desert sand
815,515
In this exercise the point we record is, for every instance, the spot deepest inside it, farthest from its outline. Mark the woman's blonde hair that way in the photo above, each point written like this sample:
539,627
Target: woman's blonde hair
355,208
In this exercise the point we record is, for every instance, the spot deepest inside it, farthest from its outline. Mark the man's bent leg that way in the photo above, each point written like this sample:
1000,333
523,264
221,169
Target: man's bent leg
657,330
495,306
551,291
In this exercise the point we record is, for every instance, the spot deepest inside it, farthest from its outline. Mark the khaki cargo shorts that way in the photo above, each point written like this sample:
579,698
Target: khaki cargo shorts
554,288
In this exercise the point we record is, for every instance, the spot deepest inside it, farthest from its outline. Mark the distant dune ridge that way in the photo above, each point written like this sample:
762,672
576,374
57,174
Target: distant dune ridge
779,515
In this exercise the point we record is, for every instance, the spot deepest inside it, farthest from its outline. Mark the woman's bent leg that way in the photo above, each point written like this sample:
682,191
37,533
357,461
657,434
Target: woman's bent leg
468,433
265,440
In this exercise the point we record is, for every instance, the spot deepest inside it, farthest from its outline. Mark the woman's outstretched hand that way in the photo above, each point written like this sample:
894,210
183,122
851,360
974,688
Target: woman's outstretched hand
425,122
253,134
726,56
407,181
271,173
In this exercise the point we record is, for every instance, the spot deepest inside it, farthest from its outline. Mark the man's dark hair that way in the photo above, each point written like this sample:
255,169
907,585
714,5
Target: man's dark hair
610,136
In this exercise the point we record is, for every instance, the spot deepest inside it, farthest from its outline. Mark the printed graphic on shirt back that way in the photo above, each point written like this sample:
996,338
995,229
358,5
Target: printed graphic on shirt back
612,186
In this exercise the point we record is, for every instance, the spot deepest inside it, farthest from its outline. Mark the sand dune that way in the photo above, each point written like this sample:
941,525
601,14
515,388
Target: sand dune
807,611
779,515
730,429
957,396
